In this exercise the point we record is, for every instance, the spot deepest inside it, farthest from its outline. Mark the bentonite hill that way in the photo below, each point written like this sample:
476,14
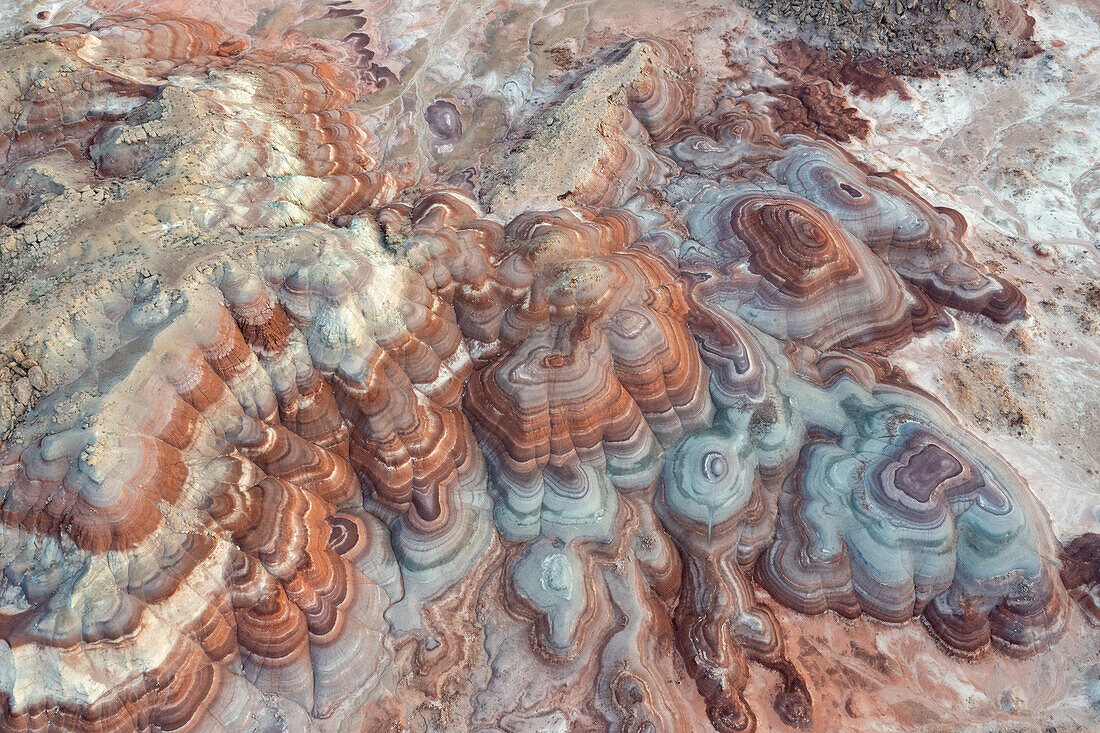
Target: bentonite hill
529,365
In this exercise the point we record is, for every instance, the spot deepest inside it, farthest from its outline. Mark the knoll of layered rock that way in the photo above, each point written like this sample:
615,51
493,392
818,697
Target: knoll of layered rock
314,444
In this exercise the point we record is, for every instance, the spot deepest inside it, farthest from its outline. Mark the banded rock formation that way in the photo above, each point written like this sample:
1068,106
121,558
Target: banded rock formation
316,445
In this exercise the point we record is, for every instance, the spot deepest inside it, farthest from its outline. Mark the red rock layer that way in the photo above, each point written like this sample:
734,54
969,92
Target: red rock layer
595,364
663,97
396,382
817,284
293,609
455,251
922,243
658,101
91,94
867,77
1081,573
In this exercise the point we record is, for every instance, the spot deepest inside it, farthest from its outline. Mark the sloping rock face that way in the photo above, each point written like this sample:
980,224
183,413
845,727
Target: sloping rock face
355,383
